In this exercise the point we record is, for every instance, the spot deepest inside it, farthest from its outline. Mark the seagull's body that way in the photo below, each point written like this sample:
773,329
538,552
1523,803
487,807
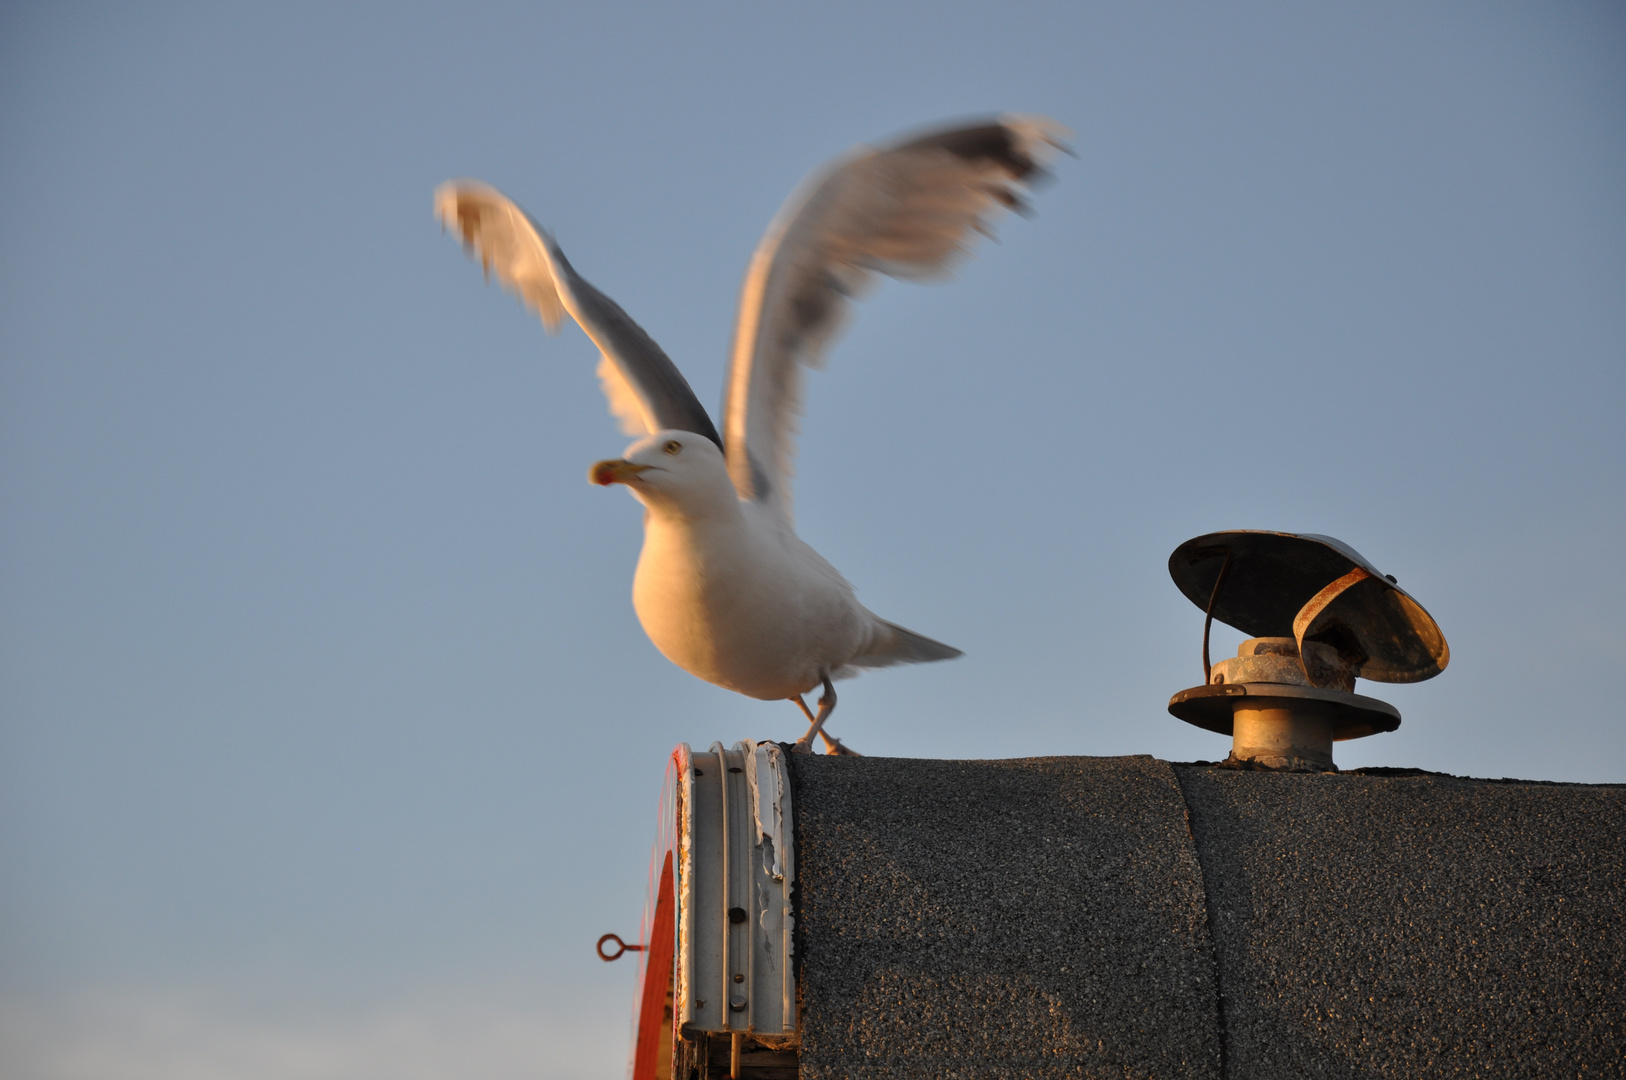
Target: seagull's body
728,592
729,596
724,587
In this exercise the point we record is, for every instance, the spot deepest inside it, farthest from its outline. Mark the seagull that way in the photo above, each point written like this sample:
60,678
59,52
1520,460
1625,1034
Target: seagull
725,588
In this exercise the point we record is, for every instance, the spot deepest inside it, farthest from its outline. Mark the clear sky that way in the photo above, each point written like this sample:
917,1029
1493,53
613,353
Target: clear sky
329,741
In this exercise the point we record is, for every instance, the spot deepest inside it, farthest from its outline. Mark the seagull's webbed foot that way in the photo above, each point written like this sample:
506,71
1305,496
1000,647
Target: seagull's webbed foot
833,745
827,705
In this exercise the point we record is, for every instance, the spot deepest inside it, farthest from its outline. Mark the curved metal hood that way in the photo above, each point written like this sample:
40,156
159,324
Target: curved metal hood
1314,588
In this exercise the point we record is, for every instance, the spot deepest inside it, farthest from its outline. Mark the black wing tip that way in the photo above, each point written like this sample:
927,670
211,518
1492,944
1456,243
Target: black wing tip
1005,141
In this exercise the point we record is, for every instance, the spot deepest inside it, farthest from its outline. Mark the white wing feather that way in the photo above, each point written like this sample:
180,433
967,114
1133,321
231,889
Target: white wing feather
909,210
646,391
504,240
624,404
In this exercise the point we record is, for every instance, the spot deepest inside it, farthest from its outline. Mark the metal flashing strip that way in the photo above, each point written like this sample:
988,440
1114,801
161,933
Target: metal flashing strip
774,875
735,957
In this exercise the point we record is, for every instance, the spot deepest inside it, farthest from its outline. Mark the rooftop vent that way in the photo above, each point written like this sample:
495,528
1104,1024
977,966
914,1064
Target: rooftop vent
1321,616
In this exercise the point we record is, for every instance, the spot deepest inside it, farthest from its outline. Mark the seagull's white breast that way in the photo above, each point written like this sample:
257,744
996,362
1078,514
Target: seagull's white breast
740,601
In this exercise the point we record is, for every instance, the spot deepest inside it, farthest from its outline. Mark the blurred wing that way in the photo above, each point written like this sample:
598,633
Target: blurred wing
908,210
646,391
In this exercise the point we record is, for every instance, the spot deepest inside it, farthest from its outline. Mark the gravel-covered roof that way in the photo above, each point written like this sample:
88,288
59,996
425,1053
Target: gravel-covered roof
1027,918
1082,917
1415,925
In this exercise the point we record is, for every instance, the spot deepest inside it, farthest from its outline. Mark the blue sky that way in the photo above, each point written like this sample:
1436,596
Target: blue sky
329,741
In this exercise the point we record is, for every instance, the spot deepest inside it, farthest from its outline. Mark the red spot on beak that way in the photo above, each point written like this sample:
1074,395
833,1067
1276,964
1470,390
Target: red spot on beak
614,471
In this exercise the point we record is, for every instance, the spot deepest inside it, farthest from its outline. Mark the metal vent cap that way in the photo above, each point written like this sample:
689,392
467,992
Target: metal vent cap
1312,588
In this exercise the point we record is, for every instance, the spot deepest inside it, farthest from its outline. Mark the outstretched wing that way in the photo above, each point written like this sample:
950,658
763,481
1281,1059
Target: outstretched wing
908,210
647,392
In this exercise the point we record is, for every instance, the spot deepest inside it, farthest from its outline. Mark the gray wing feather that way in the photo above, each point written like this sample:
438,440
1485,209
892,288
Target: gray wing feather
908,210
645,388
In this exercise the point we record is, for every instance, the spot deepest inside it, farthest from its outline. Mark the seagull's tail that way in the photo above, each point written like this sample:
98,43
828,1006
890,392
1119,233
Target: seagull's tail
891,644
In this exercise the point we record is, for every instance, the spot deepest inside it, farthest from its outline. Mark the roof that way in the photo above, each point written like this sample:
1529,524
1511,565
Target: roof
1087,917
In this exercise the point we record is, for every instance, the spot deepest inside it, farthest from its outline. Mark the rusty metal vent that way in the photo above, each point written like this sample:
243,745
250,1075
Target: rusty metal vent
1313,588
1321,616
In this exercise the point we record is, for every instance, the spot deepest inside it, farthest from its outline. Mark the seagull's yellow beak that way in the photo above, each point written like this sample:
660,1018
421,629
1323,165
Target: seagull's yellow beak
614,471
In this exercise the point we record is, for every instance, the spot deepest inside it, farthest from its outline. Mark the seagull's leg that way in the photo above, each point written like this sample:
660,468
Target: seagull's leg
832,745
805,745
827,705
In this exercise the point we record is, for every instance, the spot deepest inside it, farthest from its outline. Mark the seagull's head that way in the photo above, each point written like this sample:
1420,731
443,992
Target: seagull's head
675,471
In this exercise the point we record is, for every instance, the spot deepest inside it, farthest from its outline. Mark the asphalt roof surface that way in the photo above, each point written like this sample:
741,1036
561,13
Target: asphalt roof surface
1124,917
1415,925
1029,918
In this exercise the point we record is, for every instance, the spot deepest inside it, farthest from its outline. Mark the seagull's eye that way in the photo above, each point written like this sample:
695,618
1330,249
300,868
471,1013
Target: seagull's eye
673,447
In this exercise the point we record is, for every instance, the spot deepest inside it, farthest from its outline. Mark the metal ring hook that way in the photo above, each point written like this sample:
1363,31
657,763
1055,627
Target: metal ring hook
621,947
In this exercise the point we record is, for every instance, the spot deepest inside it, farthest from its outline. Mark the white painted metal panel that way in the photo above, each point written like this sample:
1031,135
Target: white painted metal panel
735,924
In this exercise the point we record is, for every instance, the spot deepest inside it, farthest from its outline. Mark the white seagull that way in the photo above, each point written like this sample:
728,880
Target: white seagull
724,587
